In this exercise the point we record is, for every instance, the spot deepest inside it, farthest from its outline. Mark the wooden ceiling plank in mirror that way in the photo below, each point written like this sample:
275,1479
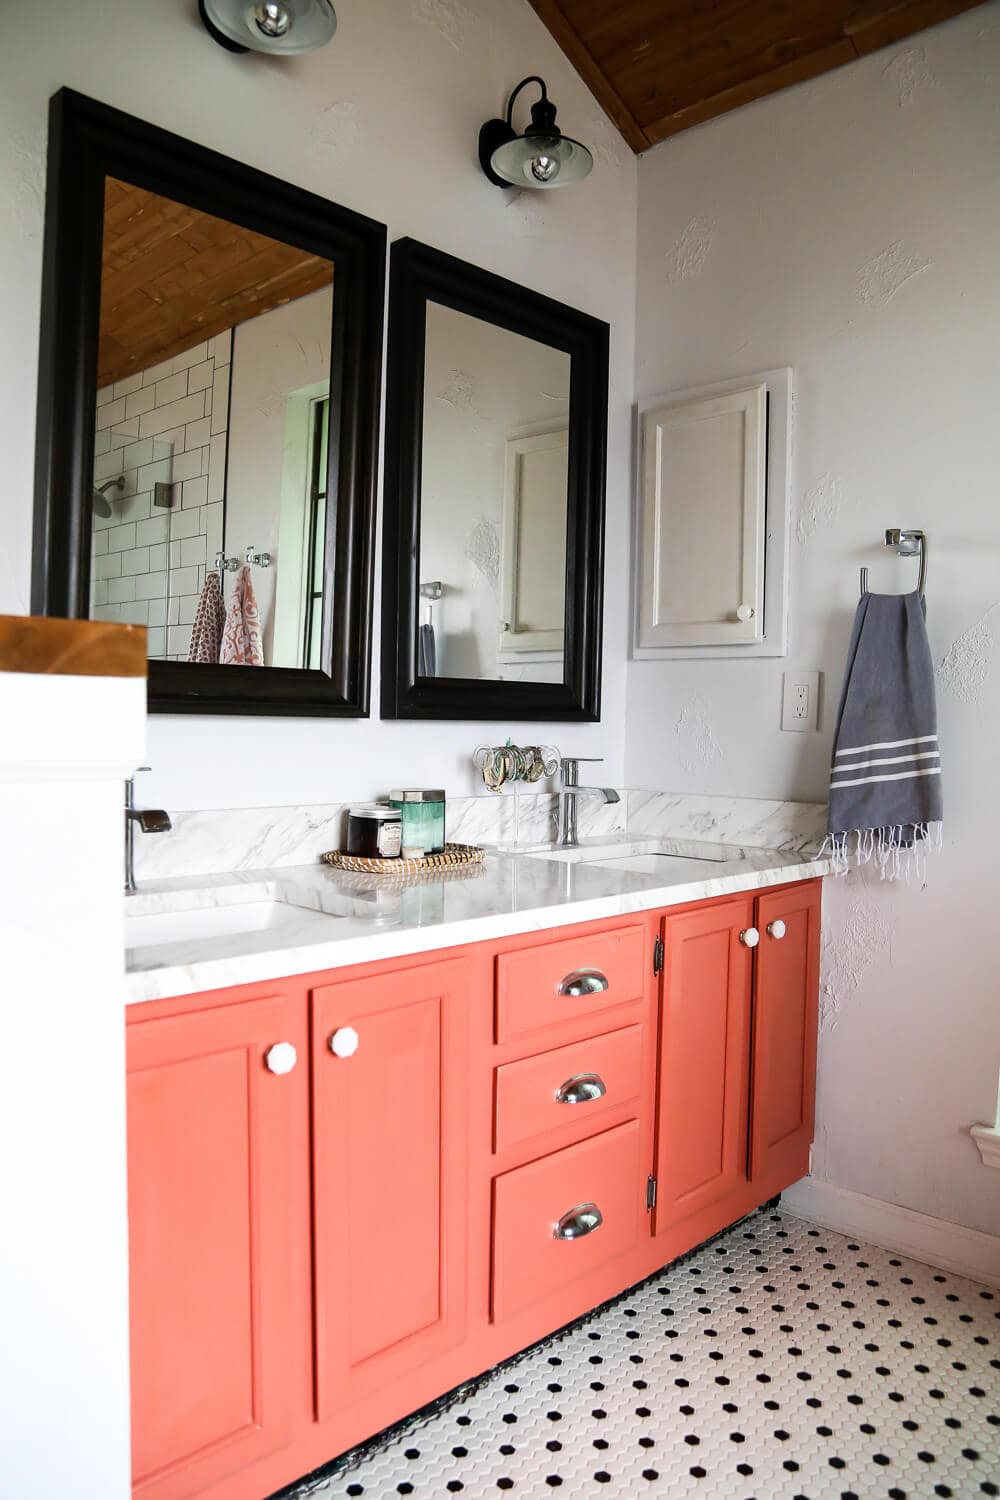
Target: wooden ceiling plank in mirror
172,276
660,66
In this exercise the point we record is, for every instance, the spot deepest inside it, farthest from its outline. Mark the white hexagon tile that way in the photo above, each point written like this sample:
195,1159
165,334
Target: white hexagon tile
778,1362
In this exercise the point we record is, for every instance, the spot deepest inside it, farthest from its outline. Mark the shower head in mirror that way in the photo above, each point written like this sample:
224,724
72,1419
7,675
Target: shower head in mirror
102,505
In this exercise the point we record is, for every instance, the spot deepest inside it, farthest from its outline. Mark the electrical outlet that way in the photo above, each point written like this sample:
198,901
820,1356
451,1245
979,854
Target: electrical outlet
800,702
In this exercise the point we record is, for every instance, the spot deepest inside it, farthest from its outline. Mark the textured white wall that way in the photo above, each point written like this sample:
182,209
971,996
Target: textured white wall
850,228
384,120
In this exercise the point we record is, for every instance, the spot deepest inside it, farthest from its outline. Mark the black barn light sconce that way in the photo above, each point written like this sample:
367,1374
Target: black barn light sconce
540,158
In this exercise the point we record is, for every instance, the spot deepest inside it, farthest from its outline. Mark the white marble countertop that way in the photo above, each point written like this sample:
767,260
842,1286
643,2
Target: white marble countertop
370,917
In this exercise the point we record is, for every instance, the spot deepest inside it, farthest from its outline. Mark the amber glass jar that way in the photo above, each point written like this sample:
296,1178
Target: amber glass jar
374,831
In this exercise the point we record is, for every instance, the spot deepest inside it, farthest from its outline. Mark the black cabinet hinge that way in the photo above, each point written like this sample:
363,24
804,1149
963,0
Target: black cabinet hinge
650,1193
658,956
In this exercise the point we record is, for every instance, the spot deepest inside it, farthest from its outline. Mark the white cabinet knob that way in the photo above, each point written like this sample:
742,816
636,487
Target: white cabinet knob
744,613
776,929
344,1042
749,937
281,1058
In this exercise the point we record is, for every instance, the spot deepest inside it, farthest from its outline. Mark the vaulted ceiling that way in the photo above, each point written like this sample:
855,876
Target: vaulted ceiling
660,66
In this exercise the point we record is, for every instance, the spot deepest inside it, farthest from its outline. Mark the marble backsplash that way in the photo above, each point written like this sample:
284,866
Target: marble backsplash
759,822
214,841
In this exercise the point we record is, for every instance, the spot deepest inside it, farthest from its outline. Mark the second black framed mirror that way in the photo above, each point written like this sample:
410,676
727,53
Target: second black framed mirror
493,551
208,417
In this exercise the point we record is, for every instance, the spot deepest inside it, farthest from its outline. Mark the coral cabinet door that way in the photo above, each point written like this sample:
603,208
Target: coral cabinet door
704,1059
214,1215
389,1175
786,998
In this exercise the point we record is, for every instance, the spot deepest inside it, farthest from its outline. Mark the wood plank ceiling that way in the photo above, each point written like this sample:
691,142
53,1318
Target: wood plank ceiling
172,276
660,66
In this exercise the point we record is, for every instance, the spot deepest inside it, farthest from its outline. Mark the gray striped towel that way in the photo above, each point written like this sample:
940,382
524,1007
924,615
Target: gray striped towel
885,780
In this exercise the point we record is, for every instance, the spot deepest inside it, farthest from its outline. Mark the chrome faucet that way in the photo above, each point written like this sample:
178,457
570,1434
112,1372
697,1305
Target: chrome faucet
569,791
150,820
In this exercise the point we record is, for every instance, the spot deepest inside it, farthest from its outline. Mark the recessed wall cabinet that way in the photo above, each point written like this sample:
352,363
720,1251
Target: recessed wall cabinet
351,1191
712,527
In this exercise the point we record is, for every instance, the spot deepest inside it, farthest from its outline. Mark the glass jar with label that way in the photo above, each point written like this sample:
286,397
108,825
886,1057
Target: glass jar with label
374,831
422,813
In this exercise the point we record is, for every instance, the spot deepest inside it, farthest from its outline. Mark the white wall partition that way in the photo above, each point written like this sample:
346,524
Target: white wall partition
66,746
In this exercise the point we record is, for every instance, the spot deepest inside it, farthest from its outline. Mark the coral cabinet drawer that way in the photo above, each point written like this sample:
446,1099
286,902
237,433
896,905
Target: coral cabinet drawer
565,1216
557,983
569,1087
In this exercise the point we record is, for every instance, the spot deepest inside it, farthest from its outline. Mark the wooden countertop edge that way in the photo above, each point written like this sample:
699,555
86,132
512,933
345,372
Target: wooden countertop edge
71,648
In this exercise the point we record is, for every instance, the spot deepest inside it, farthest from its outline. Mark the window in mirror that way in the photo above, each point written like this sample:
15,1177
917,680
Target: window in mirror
210,429
493,501
313,591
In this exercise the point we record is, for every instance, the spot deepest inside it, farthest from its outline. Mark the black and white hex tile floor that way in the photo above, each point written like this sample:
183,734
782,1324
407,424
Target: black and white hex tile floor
776,1362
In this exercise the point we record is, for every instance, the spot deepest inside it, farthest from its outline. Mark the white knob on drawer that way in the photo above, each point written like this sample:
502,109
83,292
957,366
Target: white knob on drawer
744,613
776,929
281,1058
749,937
344,1041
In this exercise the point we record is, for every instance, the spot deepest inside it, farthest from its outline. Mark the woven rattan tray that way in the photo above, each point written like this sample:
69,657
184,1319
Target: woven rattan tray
453,857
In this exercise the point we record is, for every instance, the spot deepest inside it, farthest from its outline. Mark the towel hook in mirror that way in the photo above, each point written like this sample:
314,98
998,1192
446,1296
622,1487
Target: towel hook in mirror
905,544
431,594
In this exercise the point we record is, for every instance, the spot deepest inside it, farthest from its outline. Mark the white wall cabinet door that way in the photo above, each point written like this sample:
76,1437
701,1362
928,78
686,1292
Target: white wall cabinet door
703,521
533,544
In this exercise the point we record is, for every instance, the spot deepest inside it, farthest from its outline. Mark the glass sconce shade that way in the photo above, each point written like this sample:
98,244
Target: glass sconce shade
283,27
540,158
541,162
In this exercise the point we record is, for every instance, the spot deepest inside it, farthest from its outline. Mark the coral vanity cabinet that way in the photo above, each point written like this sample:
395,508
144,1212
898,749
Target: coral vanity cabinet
350,1191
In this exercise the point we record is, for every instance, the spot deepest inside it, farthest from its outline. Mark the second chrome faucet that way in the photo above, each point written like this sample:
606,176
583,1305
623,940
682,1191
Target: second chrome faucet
569,790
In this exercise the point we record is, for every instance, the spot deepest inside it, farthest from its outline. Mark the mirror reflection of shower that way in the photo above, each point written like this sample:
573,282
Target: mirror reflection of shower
102,505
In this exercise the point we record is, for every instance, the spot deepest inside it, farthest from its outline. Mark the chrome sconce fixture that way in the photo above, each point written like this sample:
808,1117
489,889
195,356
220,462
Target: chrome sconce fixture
540,158
282,27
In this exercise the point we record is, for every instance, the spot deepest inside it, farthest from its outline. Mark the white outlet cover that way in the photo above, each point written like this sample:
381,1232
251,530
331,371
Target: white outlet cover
793,685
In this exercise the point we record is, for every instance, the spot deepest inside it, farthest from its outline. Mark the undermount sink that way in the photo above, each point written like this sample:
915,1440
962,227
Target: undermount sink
660,864
145,929
653,859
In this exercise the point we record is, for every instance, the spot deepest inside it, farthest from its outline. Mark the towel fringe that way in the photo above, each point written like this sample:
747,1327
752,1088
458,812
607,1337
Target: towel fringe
900,849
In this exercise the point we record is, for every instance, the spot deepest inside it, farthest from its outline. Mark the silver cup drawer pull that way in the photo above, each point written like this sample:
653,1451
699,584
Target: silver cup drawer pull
584,982
580,1221
582,1088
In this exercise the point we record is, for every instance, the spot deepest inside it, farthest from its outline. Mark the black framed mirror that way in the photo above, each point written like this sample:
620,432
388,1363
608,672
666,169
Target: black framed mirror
493,547
208,414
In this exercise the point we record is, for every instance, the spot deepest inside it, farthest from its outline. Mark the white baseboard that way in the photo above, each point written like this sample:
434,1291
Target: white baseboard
936,1242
